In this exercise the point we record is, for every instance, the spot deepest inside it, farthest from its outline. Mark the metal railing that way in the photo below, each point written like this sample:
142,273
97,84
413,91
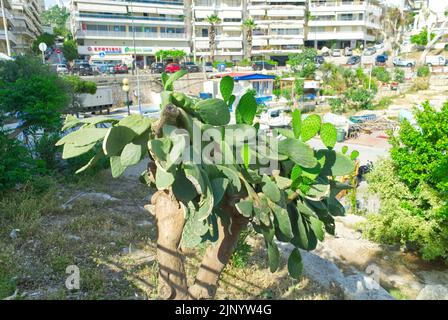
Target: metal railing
124,34
129,17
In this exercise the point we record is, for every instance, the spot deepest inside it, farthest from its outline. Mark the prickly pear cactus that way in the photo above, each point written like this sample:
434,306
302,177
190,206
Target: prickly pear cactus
293,201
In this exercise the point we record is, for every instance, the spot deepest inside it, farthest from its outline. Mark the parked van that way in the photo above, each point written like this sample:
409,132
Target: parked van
436,61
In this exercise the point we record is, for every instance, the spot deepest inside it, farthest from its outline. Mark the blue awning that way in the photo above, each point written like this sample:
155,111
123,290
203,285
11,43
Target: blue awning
254,76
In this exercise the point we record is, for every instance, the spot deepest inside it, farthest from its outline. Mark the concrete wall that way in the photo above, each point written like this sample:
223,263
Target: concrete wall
150,85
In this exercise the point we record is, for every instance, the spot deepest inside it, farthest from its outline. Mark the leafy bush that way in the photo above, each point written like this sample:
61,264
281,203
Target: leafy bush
416,218
423,71
358,99
413,186
381,74
398,75
421,39
421,153
337,105
15,162
304,62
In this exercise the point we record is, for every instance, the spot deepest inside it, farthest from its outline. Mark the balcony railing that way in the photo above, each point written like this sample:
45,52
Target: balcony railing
173,2
130,35
126,17
337,3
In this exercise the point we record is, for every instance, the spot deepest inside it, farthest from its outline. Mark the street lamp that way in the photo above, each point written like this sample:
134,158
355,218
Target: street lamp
125,88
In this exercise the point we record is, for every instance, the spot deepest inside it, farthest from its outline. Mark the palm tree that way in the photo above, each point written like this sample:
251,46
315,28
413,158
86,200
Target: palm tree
213,20
249,25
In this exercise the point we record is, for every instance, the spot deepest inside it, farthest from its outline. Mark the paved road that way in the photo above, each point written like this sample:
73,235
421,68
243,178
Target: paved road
366,153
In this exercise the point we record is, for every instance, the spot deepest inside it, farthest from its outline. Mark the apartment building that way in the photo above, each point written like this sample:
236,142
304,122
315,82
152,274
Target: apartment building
344,23
229,33
116,29
27,22
7,38
280,27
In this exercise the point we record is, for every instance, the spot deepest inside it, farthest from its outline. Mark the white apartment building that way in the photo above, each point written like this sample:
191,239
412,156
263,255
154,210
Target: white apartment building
229,33
27,22
6,35
23,23
342,22
280,27
116,29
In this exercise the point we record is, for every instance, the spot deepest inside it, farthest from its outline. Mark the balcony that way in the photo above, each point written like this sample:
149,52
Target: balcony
114,17
86,34
339,35
11,37
167,2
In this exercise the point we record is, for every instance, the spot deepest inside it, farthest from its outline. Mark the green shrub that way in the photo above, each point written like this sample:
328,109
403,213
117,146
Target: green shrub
398,75
381,74
413,187
423,71
358,99
337,105
413,218
16,164
421,153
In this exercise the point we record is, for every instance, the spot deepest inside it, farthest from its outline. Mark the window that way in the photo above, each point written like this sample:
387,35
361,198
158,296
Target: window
204,32
151,29
119,28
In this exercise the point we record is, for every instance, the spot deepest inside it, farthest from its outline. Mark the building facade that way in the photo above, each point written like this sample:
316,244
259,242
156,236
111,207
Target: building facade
27,22
7,39
229,33
114,29
117,29
280,27
342,23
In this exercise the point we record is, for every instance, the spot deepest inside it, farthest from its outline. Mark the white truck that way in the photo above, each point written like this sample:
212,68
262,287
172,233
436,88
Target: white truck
101,100
436,61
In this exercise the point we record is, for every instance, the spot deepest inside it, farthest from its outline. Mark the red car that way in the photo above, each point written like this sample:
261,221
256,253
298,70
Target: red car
121,68
172,67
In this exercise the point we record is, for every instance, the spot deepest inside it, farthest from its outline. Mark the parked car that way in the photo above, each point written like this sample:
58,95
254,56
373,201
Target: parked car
262,65
190,66
319,59
83,69
353,60
381,59
379,46
121,68
106,68
208,67
172,67
436,61
157,67
61,68
335,53
369,52
399,62
348,52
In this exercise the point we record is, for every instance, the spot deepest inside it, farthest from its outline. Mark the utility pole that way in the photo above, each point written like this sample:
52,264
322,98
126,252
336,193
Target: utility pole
5,26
